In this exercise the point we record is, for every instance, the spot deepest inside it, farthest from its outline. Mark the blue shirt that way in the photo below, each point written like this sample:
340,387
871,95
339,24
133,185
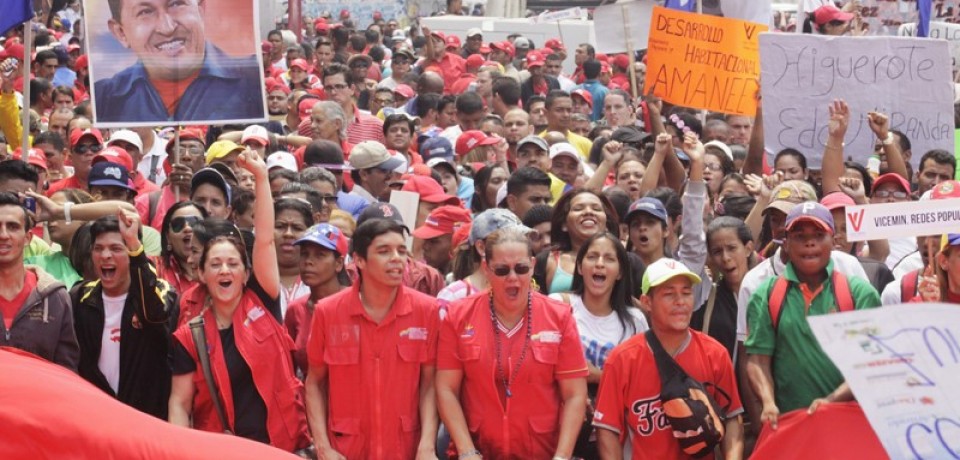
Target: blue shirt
465,191
63,76
351,203
598,92
227,88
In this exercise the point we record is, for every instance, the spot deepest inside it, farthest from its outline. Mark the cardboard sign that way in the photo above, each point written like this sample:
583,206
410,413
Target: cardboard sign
705,62
902,220
903,364
939,30
622,23
407,203
909,79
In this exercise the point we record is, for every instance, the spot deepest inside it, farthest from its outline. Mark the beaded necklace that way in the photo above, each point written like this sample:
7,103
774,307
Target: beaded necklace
523,352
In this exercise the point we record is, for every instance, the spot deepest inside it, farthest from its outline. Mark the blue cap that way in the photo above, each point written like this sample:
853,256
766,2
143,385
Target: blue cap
108,174
492,220
647,205
811,211
327,236
213,177
436,147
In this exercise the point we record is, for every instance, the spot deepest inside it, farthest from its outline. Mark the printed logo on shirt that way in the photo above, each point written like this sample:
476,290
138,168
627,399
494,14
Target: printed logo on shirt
414,333
597,416
650,416
115,335
253,315
468,332
547,336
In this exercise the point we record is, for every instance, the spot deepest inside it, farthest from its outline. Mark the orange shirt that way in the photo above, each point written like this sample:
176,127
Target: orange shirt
373,371
527,424
170,91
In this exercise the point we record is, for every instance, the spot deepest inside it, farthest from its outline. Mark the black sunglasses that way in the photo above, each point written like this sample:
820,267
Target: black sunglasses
329,199
177,224
519,269
92,148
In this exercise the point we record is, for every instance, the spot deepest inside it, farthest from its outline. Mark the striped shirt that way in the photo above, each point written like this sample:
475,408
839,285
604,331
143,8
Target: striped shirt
364,127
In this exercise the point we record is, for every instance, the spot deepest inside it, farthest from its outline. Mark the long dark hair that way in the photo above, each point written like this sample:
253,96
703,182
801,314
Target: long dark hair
166,252
620,299
480,181
739,227
561,239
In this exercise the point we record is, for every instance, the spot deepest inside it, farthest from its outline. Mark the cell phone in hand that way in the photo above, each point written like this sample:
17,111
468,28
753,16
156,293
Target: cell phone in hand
8,66
30,203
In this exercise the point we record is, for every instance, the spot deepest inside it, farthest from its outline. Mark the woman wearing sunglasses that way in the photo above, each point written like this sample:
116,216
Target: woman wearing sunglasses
601,301
176,235
511,379
249,350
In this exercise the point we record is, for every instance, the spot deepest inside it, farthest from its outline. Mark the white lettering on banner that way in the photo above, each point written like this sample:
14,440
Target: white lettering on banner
902,220
903,364
907,78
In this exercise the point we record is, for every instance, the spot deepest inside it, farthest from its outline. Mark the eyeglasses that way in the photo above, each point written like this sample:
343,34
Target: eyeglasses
713,166
329,199
178,224
87,148
338,86
519,269
888,194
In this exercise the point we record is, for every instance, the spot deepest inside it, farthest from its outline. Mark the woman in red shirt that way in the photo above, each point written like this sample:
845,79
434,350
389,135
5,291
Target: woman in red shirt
176,234
249,350
511,379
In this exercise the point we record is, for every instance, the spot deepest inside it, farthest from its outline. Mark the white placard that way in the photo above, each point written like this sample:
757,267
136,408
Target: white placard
909,79
903,364
902,220
622,22
569,13
938,30
407,203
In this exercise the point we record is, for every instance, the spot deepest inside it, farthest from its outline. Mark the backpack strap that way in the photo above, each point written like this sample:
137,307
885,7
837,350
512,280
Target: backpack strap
841,292
775,303
667,367
909,286
203,355
708,313
154,201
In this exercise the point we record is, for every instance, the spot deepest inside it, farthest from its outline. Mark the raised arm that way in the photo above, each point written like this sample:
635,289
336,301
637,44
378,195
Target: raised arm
832,166
880,125
663,149
612,153
156,300
753,164
264,250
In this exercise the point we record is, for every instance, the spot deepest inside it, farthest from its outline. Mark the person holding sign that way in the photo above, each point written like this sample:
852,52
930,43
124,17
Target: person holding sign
179,75
780,338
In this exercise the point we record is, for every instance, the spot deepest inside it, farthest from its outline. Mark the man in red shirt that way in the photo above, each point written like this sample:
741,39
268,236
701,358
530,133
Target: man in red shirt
629,404
438,59
372,352
84,145
339,86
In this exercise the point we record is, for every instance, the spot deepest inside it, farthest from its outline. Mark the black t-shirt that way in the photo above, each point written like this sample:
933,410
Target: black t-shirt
250,412
723,323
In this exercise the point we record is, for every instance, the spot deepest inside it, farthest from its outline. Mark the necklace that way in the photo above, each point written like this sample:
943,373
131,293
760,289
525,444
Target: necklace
523,351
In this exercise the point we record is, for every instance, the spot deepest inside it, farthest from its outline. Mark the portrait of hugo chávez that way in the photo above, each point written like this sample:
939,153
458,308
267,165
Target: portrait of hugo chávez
179,74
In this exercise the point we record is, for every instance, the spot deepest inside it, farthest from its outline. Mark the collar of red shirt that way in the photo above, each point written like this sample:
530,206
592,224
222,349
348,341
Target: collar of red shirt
400,306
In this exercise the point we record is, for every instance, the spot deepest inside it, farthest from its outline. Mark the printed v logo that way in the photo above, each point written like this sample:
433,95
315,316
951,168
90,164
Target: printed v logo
856,220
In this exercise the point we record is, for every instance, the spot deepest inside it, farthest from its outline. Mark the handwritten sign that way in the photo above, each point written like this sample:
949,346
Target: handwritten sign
621,24
704,62
903,364
939,30
907,78
569,13
897,220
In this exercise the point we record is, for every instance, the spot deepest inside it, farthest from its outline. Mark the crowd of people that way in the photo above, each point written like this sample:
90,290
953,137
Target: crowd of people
572,244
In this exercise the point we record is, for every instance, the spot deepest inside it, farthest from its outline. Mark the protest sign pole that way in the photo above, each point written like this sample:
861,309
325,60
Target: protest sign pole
630,52
176,160
25,112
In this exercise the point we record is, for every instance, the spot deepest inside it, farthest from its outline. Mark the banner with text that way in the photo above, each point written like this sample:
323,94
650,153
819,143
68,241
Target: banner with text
903,364
908,79
902,220
704,62
942,31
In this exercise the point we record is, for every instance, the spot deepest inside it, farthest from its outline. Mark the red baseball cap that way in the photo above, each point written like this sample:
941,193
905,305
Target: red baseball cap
460,236
445,220
837,200
891,177
35,157
622,61
504,46
452,41
535,59
299,63
306,106
320,25
475,61
114,154
438,34
472,139
404,90
946,189
82,62
601,57
14,50
77,134
485,48
430,190
186,134
344,13
584,94
827,13
266,47
555,44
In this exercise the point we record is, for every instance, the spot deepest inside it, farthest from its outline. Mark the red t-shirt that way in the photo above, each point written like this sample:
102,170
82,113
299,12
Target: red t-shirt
629,395
10,308
297,321
70,182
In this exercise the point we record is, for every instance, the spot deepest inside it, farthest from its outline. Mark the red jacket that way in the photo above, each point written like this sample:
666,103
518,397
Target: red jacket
266,347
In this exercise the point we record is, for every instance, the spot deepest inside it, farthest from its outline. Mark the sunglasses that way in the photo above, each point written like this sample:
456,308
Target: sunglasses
329,199
88,148
519,269
178,224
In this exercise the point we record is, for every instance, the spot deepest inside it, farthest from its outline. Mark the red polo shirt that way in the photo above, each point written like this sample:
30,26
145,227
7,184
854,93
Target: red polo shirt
527,424
451,66
364,127
373,371
70,182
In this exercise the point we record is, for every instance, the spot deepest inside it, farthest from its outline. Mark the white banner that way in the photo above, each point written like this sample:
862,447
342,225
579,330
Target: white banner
939,30
903,364
569,13
907,78
902,220
622,22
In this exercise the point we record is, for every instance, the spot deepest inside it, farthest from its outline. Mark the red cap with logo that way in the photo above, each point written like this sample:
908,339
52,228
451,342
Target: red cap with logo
445,220
430,190
453,42
945,190
583,94
473,139
535,59
35,157
504,46
621,61
300,64
555,44
114,154
77,134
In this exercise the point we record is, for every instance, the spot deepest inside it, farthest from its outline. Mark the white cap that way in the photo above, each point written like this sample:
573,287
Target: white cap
282,159
720,145
404,167
474,31
127,136
663,270
564,149
256,132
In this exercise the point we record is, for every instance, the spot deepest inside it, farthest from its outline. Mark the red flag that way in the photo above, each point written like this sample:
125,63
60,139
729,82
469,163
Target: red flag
835,431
